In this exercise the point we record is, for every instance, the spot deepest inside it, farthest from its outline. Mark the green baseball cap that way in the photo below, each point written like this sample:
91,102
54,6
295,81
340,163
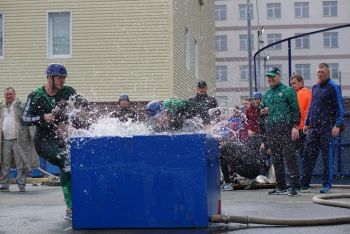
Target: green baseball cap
272,72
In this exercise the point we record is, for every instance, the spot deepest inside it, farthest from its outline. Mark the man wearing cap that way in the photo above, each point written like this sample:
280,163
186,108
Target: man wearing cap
205,101
280,105
124,112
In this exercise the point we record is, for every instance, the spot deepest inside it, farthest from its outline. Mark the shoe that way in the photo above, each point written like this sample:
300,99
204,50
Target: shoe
278,192
304,190
68,215
325,189
227,187
293,192
4,189
22,188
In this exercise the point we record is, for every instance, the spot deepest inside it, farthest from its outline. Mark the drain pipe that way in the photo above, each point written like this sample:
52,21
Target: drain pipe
319,199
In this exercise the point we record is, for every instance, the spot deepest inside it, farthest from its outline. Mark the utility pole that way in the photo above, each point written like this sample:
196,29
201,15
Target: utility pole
249,51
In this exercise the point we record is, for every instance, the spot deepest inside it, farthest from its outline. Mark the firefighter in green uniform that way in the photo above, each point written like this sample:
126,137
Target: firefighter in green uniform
44,110
170,114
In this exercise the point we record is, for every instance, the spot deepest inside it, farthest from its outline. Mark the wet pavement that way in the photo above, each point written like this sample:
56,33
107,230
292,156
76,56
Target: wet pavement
41,210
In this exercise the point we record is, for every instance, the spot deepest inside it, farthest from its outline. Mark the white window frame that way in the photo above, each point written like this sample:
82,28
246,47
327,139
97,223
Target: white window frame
272,38
243,42
330,40
187,39
220,12
334,70
301,9
303,69
302,42
243,13
244,72
221,43
49,53
196,58
274,8
221,73
2,36
328,6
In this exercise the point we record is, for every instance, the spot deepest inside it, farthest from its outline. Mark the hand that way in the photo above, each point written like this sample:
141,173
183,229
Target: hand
262,147
265,111
335,131
295,134
250,133
49,118
306,129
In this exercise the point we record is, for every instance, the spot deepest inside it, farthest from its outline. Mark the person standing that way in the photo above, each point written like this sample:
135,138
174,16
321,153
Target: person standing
124,112
280,104
304,100
205,101
16,141
322,125
44,110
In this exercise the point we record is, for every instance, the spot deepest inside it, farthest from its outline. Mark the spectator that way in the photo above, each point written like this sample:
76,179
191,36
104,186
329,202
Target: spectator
280,104
172,113
124,112
245,104
205,101
16,140
323,122
44,109
304,100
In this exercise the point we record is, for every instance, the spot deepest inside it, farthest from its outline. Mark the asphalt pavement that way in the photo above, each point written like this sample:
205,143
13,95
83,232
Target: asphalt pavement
41,210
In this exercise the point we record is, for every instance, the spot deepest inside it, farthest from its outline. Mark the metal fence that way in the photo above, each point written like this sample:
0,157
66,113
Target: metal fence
302,53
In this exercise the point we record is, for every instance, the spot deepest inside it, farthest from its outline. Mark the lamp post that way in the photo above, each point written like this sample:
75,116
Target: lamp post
260,42
266,58
249,51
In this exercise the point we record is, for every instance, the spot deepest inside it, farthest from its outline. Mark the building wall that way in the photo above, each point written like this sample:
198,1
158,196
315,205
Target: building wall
117,46
288,25
197,17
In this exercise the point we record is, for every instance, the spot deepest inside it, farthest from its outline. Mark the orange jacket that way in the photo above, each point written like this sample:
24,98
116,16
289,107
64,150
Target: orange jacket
304,100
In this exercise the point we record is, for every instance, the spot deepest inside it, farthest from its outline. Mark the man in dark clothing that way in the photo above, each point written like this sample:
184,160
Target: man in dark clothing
280,105
44,109
206,102
322,124
124,112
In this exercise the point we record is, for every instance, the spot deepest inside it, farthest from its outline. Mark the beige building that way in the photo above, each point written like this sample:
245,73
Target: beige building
280,20
150,49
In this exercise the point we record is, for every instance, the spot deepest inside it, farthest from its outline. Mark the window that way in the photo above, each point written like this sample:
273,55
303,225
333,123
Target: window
243,42
196,59
220,12
244,70
59,34
330,8
273,10
222,101
303,70
187,49
330,39
243,11
221,73
302,42
221,42
1,36
301,9
271,38
334,69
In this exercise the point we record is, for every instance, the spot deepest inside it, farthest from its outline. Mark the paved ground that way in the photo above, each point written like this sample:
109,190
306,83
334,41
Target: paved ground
41,208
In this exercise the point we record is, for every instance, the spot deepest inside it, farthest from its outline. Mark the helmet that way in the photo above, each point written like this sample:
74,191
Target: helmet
154,108
56,69
124,96
257,95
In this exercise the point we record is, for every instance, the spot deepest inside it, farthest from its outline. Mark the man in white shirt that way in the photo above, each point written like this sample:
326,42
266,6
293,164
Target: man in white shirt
15,142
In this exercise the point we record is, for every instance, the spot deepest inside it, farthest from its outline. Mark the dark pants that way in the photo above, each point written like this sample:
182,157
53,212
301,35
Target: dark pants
299,149
282,149
318,140
54,149
242,159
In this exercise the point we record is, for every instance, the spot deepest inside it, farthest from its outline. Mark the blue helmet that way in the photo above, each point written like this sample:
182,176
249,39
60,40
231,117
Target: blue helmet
56,69
124,96
154,108
257,95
